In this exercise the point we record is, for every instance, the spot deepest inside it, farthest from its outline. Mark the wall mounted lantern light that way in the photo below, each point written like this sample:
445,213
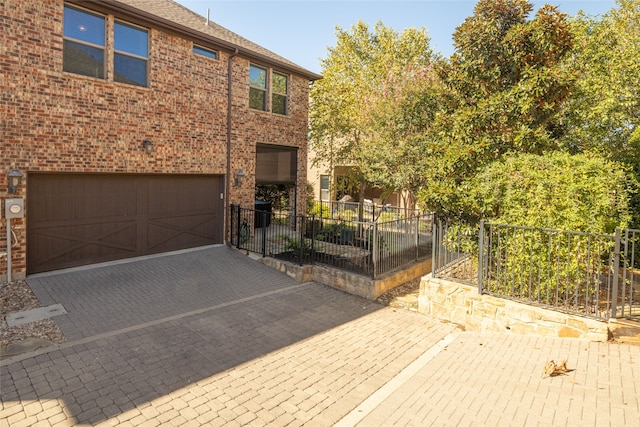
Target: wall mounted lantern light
239,177
15,178
148,146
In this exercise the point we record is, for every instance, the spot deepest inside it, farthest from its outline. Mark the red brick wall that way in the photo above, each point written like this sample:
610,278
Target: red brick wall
54,121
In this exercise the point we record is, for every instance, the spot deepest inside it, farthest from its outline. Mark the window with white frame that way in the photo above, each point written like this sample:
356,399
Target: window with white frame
84,43
131,54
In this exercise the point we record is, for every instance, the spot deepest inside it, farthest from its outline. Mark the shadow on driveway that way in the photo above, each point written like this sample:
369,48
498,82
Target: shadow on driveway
143,329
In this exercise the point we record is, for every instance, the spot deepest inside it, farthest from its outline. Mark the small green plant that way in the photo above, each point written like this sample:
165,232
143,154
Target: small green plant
336,232
295,246
320,210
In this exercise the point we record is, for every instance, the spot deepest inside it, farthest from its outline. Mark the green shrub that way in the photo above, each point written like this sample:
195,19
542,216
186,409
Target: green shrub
320,210
555,191
294,245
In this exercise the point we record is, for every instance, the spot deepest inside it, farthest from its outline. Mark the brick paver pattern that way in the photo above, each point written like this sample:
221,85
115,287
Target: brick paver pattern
278,353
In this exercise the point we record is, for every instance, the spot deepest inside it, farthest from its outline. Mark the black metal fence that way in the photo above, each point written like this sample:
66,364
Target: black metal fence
589,274
367,211
363,247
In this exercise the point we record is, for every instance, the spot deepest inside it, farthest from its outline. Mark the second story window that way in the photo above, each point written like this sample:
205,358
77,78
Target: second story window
258,88
279,89
84,43
260,92
131,53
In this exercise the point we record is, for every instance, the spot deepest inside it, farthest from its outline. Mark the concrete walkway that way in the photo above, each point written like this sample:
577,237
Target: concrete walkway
245,345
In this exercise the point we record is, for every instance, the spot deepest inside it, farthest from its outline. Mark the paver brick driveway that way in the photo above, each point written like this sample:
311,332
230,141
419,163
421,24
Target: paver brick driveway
211,337
160,333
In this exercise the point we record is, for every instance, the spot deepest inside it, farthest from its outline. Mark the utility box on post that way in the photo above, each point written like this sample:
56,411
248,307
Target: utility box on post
14,208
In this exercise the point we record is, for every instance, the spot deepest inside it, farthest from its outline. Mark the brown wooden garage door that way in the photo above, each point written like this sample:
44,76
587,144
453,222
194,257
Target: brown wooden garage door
79,219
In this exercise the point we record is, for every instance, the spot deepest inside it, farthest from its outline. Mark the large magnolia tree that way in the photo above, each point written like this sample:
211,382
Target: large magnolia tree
505,91
605,108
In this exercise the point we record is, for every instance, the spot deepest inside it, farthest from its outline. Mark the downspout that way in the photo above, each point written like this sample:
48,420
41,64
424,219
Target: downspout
228,178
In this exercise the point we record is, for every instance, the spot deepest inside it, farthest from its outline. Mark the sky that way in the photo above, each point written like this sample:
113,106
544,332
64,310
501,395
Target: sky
302,30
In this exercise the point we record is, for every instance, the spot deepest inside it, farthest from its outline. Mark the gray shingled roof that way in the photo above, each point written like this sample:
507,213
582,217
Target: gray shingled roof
185,20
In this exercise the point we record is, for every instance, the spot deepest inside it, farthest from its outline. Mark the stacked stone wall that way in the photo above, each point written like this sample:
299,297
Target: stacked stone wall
461,304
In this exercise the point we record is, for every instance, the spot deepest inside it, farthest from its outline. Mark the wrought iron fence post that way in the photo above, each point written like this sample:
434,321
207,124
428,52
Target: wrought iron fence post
416,241
313,237
232,213
302,241
375,250
236,209
434,238
480,255
264,218
616,270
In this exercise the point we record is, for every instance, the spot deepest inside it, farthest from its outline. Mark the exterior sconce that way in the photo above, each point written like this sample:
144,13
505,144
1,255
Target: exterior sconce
15,178
239,177
148,146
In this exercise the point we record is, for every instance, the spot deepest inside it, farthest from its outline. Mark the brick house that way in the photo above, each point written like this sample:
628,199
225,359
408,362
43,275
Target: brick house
131,121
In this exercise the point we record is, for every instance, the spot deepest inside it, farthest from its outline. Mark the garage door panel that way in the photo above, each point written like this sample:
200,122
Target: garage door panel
182,196
61,247
78,219
182,232
68,197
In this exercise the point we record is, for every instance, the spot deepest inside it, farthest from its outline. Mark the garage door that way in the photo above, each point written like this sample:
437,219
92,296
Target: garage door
79,219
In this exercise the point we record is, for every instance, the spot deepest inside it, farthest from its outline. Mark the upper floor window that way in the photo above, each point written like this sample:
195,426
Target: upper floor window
84,43
205,52
131,53
279,85
258,88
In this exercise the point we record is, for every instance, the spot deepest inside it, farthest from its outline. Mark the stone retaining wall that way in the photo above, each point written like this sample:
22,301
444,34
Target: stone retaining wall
354,284
461,304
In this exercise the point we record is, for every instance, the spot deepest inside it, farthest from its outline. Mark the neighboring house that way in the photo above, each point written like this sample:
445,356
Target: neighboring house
131,121
332,184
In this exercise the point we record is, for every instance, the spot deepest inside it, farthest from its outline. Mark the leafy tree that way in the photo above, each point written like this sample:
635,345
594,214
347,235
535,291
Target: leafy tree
605,108
404,113
604,111
354,74
580,193
506,93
